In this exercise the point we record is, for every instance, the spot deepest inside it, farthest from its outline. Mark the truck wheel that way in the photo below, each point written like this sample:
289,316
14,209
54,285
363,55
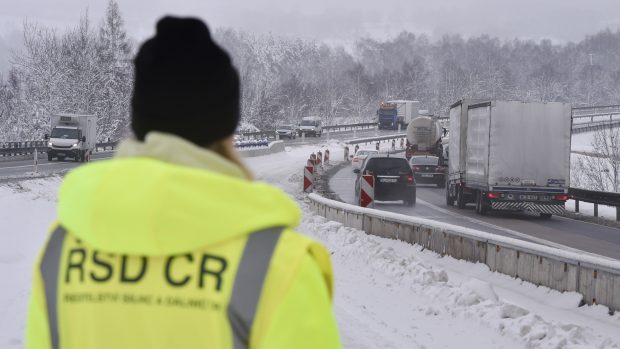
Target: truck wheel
449,199
481,205
460,200
545,215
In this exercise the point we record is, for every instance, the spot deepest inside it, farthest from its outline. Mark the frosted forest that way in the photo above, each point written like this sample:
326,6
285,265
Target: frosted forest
87,68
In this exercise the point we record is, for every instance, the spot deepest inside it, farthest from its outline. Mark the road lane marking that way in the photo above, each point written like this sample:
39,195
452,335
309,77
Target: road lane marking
510,231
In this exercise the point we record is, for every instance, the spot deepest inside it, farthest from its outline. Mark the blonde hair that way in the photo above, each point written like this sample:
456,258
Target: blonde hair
226,148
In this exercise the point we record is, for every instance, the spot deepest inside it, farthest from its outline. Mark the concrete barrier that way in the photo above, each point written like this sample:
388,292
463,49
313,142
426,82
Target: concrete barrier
274,147
597,279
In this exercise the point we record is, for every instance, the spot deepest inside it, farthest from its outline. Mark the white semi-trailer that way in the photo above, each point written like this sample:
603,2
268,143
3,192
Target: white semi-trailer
507,155
73,136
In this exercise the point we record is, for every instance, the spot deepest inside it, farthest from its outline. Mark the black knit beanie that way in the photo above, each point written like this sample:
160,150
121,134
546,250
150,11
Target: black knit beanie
184,84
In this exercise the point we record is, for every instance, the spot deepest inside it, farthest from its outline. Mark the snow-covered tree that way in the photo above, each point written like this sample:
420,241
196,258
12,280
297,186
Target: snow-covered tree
114,53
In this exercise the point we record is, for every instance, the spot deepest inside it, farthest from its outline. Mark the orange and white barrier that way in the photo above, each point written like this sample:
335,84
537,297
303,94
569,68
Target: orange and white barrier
308,179
367,191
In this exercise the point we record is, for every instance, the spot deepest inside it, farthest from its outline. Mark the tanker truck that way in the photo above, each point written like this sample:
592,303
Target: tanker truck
424,137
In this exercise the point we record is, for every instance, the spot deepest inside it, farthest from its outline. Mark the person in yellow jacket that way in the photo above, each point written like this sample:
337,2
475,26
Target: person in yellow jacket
171,244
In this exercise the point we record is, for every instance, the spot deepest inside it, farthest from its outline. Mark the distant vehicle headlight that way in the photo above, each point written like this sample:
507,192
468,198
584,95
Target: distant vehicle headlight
74,145
49,144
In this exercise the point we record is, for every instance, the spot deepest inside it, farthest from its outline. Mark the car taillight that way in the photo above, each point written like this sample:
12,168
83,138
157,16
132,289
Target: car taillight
409,179
561,197
494,195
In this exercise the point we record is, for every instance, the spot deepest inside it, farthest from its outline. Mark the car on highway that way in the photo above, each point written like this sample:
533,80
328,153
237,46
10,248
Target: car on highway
286,131
427,169
360,156
394,179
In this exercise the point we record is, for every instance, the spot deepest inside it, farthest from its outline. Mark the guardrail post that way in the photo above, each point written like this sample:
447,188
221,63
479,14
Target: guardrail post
36,160
618,213
595,210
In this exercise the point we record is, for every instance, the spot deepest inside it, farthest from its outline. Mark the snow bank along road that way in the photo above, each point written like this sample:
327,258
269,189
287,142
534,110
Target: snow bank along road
389,294
557,231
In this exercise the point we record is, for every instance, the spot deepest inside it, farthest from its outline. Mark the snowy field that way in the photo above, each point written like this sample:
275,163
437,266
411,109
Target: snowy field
587,209
389,294
582,141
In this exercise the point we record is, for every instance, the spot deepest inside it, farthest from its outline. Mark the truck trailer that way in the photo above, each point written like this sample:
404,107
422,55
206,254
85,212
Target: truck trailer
397,113
508,155
73,136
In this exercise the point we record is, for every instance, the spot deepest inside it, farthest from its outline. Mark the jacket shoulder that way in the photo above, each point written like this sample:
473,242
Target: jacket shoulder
291,250
297,260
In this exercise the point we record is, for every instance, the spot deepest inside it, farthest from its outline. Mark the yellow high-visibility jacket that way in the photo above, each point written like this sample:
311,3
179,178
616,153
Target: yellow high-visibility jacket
152,254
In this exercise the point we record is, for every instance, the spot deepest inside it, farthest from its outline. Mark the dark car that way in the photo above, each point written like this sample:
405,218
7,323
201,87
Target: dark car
393,178
428,170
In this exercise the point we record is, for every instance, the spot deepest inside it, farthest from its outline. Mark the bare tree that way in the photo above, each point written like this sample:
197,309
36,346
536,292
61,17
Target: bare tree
601,169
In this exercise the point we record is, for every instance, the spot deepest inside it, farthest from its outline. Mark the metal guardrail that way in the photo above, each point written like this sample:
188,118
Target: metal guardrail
596,198
596,278
27,148
350,126
376,139
593,126
271,134
602,110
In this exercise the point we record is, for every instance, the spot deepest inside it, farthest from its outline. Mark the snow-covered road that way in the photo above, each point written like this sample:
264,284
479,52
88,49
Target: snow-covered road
389,294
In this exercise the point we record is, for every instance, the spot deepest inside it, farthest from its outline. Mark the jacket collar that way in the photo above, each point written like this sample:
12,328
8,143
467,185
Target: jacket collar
178,151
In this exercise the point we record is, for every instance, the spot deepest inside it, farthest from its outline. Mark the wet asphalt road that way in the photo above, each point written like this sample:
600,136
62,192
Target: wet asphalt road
561,232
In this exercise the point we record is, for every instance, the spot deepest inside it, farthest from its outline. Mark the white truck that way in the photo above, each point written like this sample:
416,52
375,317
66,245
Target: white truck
311,125
73,136
507,155
397,113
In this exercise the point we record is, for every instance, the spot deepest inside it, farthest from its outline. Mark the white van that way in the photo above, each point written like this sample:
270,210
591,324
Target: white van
311,125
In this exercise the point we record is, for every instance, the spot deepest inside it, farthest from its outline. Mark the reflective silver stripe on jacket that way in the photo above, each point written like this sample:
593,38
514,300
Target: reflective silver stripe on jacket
245,296
50,265
248,284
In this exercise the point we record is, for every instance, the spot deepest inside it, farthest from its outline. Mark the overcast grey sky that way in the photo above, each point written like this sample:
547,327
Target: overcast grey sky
336,21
